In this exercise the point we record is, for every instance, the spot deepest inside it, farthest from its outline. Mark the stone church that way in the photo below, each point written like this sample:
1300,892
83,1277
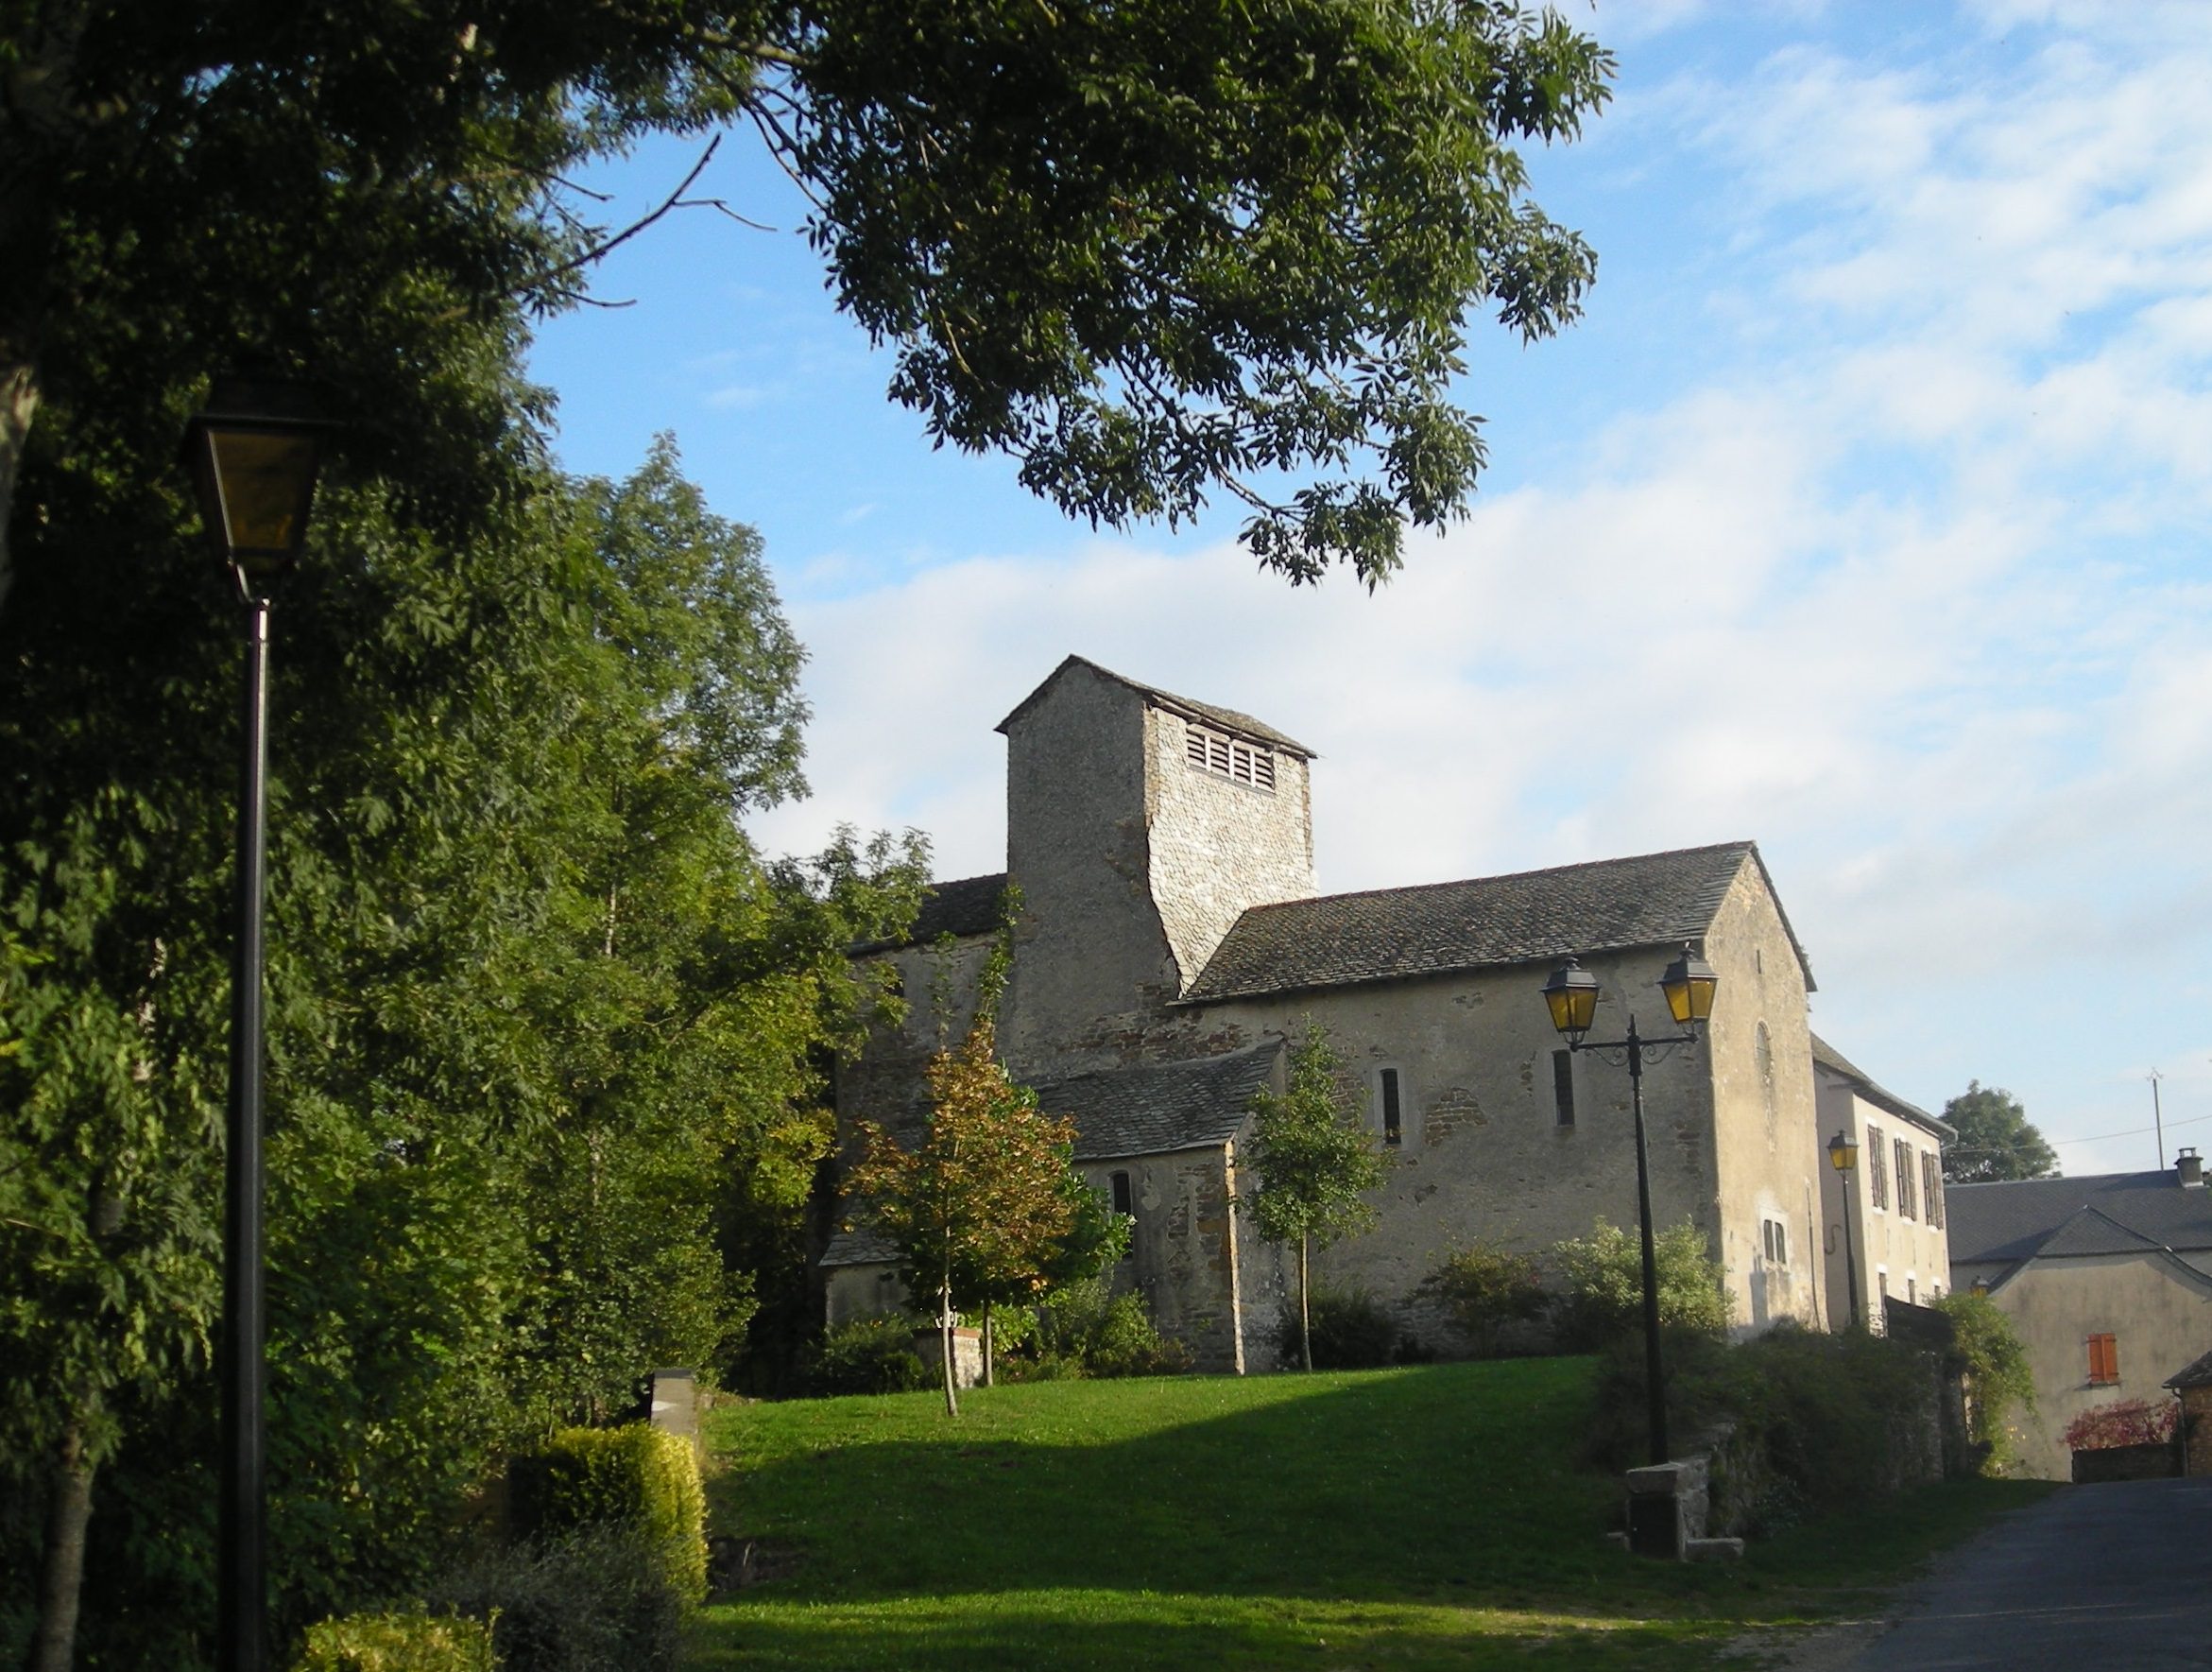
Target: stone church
1172,938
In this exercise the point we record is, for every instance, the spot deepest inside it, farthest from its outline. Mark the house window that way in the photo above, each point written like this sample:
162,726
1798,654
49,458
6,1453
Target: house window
1562,1086
1777,1237
1124,1204
1393,1117
1911,1289
1215,751
1932,1187
2103,1361
1877,1172
1904,1156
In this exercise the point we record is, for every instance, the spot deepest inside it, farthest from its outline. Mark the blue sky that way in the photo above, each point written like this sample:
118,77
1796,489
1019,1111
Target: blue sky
1865,513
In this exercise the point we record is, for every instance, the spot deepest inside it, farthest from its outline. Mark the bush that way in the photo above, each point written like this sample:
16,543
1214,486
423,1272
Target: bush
1821,1422
870,1356
597,1600
1602,1277
1485,1289
1351,1330
636,1477
2125,1421
398,1643
1084,1329
1997,1379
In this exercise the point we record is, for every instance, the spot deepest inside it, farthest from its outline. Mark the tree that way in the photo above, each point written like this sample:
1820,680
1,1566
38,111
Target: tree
1314,1162
534,1004
982,1202
1602,1279
1996,1140
1154,252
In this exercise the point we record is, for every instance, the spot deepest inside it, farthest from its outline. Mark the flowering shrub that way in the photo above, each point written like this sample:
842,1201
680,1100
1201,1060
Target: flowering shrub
2126,1422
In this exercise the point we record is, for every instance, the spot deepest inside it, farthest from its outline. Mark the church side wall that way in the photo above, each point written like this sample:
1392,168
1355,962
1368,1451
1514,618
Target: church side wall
1765,1112
1182,1257
1485,1154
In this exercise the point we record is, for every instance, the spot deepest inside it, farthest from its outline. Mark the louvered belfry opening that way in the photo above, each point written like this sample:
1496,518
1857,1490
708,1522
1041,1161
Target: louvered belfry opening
1216,752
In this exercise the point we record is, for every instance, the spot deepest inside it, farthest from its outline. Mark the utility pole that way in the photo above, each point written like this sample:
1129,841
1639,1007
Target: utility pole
2157,1116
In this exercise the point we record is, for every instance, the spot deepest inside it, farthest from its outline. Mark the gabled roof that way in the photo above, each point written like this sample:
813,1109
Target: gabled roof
1532,916
1151,1110
2012,1220
2092,1232
970,906
2197,1373
1827,1057
1229,720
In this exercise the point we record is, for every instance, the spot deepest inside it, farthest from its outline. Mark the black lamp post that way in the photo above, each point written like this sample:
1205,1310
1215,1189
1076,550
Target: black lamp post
253,451
1844,1156
1572,995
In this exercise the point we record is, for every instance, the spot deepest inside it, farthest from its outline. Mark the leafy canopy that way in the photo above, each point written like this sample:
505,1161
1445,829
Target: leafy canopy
1601,1276
1314,1159
1996,1140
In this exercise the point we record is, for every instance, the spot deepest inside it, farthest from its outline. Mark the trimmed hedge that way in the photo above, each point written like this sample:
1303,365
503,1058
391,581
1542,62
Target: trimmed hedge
636,1477
398,1643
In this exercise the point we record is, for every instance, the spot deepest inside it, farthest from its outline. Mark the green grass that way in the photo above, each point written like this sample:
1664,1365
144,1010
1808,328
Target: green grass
1411,1518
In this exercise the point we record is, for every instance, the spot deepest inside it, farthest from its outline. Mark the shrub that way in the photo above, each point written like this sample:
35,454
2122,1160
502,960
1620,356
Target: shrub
1485,1289
1084,1329
1351,1330
636,1477
2125,1421
1602,1277
597,1600
1997,1379
398,1643
869,1355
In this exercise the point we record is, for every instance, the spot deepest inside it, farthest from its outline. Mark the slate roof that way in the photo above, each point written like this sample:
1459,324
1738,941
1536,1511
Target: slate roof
860,1247
1229,720
967,906
1438,928
1151,1110
1836,1062
2197,1373
2092,1232
2015,1219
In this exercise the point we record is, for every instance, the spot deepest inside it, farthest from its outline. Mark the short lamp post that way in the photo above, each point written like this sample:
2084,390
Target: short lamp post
1843,1156
253,453
1572,995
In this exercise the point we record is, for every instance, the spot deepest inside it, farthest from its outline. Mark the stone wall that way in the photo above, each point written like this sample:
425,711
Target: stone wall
2158,1461
1183,1254
2196,1430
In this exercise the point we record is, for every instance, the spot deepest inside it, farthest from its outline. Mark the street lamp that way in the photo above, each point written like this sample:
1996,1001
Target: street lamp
253,451
1844,1156
1573,997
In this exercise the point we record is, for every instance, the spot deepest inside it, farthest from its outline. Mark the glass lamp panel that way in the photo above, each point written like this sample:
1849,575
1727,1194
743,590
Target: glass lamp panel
1842,1154
1572,995
264,482
1689,985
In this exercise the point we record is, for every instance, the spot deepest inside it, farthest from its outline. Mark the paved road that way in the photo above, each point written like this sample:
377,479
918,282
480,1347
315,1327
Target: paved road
2095,1578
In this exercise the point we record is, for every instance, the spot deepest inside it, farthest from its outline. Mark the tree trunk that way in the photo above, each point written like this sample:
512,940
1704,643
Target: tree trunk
19,404
1305,1317
988,1344
945,1346
61,1572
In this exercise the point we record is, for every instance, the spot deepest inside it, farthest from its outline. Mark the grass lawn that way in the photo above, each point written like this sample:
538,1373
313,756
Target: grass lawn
1410,1518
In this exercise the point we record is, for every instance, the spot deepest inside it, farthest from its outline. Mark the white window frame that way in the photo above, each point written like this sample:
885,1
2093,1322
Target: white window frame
1208,749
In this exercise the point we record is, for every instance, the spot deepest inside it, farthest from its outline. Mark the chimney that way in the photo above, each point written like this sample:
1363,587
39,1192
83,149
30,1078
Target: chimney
2190,1168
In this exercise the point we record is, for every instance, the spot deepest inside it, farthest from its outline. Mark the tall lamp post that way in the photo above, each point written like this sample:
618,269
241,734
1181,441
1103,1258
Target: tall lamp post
1844,1156
1572,995
253,453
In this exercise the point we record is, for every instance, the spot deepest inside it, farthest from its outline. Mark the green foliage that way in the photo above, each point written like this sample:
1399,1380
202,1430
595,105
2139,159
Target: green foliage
635,1477
1085,1328
867,1355
597,1600
1602,1284
1996,1140
398,1643
1998,1381
1314,1159
1821,1422
1350,1330
1485,1289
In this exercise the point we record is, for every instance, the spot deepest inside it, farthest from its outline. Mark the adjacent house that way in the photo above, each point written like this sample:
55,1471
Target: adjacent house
1897,1244
1172,938
2108,1280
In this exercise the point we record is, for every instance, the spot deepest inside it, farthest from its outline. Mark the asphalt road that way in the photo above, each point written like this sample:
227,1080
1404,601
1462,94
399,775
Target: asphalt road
2094,1579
